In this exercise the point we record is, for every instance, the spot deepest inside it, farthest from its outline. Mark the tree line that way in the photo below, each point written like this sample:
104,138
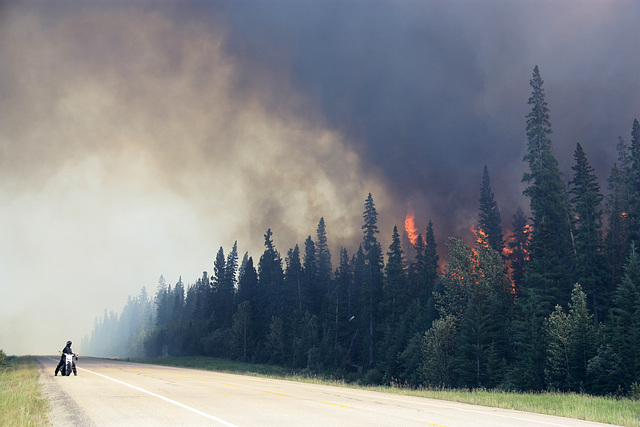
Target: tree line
552,306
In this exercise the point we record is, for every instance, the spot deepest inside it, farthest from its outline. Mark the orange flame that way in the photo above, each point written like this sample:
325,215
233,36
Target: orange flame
410,224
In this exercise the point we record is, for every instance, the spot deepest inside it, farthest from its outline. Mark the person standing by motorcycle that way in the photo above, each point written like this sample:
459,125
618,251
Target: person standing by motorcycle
66,350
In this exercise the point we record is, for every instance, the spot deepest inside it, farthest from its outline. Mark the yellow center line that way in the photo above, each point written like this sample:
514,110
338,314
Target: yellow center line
200,379
434,425
337,404
273,392
232,385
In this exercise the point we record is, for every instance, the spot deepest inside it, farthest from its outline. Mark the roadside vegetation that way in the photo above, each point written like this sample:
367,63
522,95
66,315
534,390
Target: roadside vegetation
611,410
21,399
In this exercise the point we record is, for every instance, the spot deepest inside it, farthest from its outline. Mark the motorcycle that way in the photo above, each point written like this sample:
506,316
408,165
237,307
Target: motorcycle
69,364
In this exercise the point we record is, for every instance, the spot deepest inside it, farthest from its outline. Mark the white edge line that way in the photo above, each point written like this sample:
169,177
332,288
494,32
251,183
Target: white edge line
166,399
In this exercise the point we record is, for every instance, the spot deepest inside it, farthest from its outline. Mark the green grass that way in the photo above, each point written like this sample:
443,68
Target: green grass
21,399
621,411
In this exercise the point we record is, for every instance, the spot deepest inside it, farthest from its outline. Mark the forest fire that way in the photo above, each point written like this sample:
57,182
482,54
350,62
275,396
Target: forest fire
410,224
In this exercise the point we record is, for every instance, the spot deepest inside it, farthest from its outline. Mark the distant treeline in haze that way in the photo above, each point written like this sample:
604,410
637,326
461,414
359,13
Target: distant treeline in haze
555,305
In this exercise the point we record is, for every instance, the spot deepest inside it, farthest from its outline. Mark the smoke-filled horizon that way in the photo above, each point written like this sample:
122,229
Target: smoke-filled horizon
137,139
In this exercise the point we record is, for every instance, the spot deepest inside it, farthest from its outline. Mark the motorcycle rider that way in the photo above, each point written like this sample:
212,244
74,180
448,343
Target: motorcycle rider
66,350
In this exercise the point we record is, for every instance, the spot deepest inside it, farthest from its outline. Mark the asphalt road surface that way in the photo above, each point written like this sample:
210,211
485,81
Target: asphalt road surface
115,393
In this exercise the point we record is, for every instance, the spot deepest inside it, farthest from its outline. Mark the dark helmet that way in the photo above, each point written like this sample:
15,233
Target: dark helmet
68,342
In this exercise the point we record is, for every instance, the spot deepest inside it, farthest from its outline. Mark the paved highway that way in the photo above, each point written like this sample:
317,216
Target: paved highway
116,393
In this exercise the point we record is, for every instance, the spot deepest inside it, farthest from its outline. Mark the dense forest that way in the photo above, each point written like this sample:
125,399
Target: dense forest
552,305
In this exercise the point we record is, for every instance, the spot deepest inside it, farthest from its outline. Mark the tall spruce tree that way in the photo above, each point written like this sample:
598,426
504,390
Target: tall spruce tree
431,260
634,175
294,278
625,322
591,269
395,334
373,277
323,262
477,295
519,249
415,272
551,264
489,220
395,289
618,206
270,280
310,298
342,309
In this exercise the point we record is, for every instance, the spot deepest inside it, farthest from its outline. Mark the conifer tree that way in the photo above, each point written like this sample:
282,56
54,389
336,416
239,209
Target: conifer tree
551,265
618,207
625,322
431,259
590,260
294,278
395,304
250,311
477,294
416,271
291,310
343,310
310,268
489,220
220,297
634,213
571,344
323,262
372,284
248,282
519,249
270,280
395,289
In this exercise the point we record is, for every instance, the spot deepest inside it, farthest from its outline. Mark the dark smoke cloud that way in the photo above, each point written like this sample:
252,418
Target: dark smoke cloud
429,92
138,137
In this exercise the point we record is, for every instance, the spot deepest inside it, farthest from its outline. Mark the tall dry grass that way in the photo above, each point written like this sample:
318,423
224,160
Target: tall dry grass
21,400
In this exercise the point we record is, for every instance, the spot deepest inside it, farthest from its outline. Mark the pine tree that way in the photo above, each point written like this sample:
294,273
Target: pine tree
395,304
551,263
590,260
270,279
489,220
251,310
372,284
310,299
416,271
294,278
323,262
343,310
291,309
248,282
634,212
431,274
219,290
519,249
477,294
618,206
625,321
395,289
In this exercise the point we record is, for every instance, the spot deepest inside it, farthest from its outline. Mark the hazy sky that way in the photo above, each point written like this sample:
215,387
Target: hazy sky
136,138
